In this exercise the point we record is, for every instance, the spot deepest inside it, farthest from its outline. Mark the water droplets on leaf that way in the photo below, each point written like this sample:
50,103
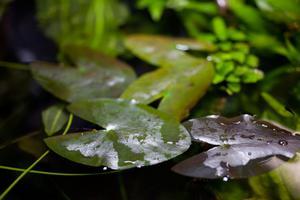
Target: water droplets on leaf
95,75
136,135
242,151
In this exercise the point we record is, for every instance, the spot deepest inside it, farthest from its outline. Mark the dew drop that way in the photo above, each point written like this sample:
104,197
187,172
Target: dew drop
104,168
139,166
182,47
209,58
282,142
225,178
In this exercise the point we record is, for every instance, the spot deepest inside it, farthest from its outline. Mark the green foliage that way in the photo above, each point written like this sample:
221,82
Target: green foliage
179,77
95,75
280,11
224,44
135,135
234,63
54,118
89,23
155,8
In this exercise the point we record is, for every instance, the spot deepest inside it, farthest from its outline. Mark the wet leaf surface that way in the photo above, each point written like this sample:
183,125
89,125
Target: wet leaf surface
182,79
248,147
94,76
165,51
135,135
54,118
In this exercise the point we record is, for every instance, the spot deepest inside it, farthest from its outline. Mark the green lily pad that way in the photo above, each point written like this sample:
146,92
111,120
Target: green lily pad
54,118
182,79
165,51
94,76
135,135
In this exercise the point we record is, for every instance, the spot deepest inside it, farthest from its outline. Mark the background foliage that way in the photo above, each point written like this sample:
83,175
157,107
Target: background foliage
246,57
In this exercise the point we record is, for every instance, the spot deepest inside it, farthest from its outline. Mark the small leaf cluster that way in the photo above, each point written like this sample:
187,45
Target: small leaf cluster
234,63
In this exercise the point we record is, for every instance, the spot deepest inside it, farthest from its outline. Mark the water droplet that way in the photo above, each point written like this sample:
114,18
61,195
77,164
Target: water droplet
111,127
169,142
213,116
104,168
209,58
249,153
182,47
282,142
139,166
225,178
133,101
264,125
223,138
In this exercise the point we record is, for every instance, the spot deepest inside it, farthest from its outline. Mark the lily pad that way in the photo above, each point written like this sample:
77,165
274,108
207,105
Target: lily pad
54,118
218,130
248,147
94,76
135,135
235,161
182,79
164,51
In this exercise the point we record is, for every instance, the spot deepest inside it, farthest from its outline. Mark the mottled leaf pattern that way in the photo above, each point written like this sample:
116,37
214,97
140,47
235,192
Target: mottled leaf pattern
135,135
248,147
94,76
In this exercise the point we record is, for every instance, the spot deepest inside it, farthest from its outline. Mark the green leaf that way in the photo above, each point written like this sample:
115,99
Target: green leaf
164,51
281,11
182,79
93,77
155,8
219,28
252,76
276,105
135,135
54,118
91,23
248,14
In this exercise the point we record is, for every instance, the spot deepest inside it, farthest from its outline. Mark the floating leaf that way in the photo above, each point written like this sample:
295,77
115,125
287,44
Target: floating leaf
95,76
136,135
248,147
235,161
54,118
165,51
182,79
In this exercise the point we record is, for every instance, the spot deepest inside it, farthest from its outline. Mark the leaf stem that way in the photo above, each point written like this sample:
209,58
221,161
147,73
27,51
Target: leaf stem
12,65
2,196
54,173
23,174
